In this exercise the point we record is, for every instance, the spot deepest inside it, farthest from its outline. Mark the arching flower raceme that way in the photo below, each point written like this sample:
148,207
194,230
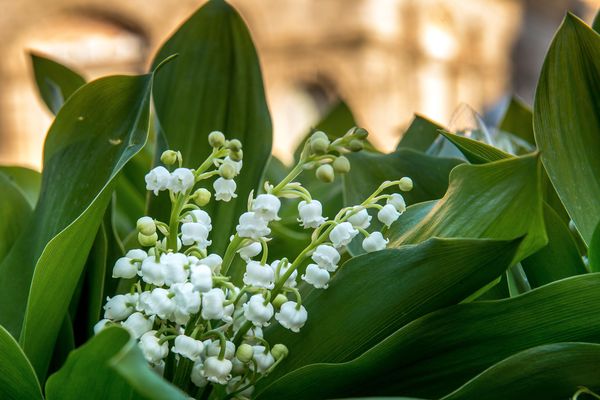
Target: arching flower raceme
186,300
259,275
152,349
326,257
361,219
311,214
252,250
153,272
175,268
342,234
291,316
289,282
267,206
264,359
256,311
212,304
398,202
224,189
188,347
119,307
201,277
157,179
181,180
217,371
195,233
374,242
252,225
137,324
388,214
316,276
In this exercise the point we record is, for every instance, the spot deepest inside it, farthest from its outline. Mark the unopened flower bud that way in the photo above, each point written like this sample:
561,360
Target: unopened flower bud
235,145
201,197
361,133
318,135
279,351
341,165
405,184
279,300
237,155
227,171
168,157
325,173
319,145
146,226
216,139
355,145
147,240
244,353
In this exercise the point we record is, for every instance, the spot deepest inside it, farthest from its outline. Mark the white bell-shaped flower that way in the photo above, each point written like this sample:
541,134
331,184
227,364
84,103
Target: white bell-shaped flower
361,219
237,165
267,206
163,243
256,311
100,325
188,347
259,275
316,276
200,216
289,282
224,189
157,179
197,375
153,272
326,257
374,242
157,302
311,214
228,313
388,214
214,349
264,359
212,304
217,371
137,324
153,351
397,200
291,316
214,261
186,300
176,270
342,234
195,233
137,255
119,307
201,277
252,225
126,268
181,180
252,250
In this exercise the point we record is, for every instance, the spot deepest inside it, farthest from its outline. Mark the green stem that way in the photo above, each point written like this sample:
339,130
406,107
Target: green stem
230,253
174,222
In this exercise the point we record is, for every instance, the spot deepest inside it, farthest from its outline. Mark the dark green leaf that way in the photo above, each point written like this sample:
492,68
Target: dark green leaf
17,377
55,82
420,134
518,120
594,251
475,151
567,121
596,22
15,212
27,180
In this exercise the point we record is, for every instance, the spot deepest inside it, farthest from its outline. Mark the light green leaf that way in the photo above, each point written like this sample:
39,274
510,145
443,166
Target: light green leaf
475,151
85,149
15,212
17,377
55,82
214,84
420,135
27,180
554,371
567,121
375,294
518,120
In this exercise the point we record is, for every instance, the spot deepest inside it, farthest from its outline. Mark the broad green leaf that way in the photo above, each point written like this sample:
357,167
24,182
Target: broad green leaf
475,151
498,200
17,377
55,82
374,295
65,343
214,84
420,135
414,214
441,351
567,121
27,180
594,251
554,371
85,149
15,212
518,120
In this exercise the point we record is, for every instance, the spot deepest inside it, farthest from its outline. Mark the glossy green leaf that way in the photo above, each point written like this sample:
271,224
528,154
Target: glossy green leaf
17,377
15,212
499,200
55,82
27,180
420,134
594,251
214,84
567,121
376,294
475,151
441,351
554,371
85,149
518,120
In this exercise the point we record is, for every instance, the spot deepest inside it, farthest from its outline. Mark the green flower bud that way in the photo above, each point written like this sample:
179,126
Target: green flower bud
319,145
201,197
227,171
147,240
168,157
236,155
235,145
279,300
279,351
405,184
216,139
361,133
244,353
355,145
341,165
319,135
146,226
325,173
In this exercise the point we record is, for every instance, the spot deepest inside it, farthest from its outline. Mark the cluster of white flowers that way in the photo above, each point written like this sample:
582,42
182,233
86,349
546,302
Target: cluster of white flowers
193,321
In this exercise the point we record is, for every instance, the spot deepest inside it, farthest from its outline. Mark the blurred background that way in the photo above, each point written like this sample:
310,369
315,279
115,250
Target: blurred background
386,59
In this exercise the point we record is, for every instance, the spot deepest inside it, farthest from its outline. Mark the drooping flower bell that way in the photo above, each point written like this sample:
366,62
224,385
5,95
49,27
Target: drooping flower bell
388,215
175,268
181,180
157,179
311,214
257,312
224,189
397,200
137,324
252,225
316,276
361,219
153,351
249,251
267,206
188,347
186,300
277,266
195,233
326,257
259,275
264,359
291,316
374,242
119,307
212,304
201,277
342,234
153,272
217,371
